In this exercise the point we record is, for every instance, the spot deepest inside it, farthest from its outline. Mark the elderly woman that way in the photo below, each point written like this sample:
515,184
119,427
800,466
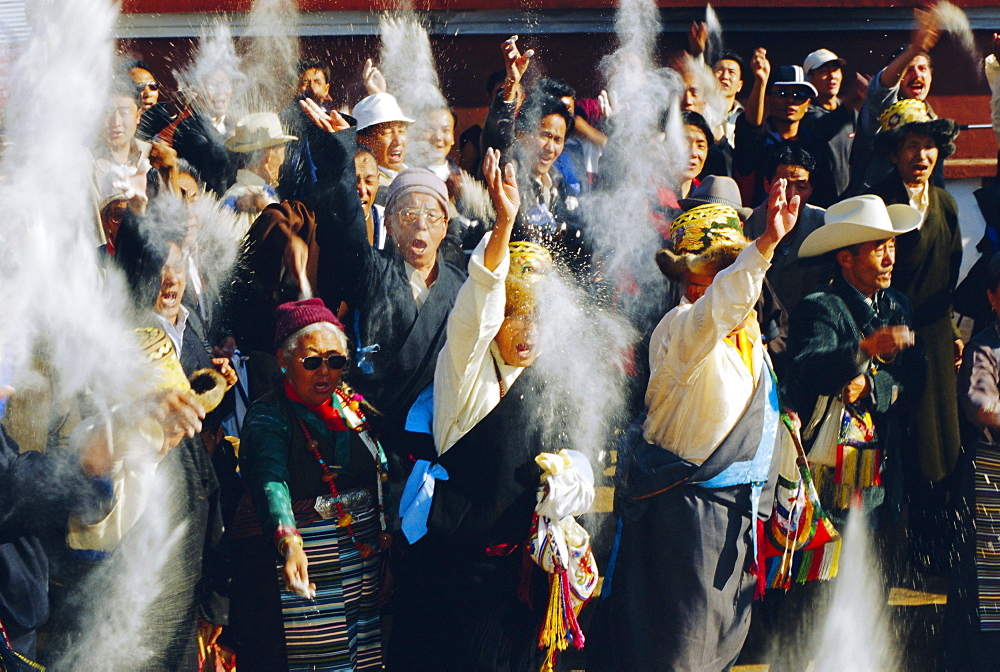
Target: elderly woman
315,477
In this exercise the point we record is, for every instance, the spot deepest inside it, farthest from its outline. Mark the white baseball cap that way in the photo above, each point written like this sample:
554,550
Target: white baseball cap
820,57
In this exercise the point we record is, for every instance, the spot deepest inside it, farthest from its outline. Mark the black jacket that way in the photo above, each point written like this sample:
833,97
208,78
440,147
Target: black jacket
38,491
375,286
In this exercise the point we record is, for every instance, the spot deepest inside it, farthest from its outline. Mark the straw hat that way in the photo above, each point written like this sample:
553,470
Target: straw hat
259,130
378,108
858,220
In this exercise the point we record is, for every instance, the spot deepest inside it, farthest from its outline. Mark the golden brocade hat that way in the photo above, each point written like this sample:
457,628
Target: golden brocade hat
701,236
913,115
706,226
529,264
208,385
528,259
903,111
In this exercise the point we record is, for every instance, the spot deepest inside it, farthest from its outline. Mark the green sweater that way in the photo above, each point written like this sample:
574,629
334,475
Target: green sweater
278,468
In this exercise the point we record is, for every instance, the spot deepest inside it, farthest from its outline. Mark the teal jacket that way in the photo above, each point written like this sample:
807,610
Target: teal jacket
278,468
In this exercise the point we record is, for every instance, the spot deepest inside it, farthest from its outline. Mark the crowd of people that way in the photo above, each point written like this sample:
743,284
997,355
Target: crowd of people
346,407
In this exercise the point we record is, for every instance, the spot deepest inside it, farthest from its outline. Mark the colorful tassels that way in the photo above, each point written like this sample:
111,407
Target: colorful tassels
561,627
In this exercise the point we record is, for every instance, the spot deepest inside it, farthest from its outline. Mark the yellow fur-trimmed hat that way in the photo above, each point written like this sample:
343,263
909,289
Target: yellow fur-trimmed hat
529,264
704,239
911,115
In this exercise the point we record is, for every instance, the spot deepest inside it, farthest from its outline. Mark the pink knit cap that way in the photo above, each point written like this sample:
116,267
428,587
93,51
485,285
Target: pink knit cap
294,315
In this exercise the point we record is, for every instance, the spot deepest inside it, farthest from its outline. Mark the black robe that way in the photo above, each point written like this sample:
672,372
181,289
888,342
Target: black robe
377,290
926,272
680,594
457,587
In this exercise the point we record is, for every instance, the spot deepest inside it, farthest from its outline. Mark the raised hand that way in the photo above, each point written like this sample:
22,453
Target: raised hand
927,31
330,123
502,186
760,66
373,78
605,104
781,217
516,64
697,38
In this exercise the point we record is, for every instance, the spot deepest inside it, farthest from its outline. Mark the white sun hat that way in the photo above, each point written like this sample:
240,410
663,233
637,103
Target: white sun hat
378,108
859,220
259,130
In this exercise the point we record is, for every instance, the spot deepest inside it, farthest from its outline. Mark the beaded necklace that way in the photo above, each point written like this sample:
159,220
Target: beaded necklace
496,368
345,519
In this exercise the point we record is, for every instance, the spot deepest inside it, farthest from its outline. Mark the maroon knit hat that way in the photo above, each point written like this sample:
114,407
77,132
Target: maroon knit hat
294,315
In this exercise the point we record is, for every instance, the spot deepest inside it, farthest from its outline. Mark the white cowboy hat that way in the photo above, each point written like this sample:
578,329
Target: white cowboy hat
259,130
859,220
378,108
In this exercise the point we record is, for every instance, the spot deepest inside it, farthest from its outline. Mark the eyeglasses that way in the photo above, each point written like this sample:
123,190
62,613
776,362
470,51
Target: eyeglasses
410,216
797,95
333,362
152,86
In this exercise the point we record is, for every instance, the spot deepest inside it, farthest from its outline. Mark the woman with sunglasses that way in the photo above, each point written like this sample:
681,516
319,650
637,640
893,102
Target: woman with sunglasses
315,477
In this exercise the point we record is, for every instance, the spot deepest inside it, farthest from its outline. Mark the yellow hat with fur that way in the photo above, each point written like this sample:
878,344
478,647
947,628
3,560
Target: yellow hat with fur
704,239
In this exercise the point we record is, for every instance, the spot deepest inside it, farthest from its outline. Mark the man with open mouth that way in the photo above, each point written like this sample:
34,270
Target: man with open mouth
907,76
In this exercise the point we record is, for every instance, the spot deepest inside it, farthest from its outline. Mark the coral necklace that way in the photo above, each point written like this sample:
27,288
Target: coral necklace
345,519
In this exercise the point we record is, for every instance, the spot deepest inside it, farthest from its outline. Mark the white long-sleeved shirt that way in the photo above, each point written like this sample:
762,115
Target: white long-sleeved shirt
465,380
699,386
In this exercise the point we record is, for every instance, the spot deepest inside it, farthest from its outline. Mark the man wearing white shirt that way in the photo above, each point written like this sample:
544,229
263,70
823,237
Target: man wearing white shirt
706,466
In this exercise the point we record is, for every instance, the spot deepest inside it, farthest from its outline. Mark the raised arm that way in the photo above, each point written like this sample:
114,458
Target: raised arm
924,37
477,314
761,67
498,129
347,262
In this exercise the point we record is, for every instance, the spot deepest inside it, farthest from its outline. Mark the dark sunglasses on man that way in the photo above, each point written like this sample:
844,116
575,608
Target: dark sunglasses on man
333,362
152,86
795,94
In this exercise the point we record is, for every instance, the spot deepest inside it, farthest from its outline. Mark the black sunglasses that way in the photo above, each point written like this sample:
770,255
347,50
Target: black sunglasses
152,86
798,95
333,362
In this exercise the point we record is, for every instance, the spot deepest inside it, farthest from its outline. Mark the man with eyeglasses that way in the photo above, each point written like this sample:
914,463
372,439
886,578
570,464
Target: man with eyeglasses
774,112
398,298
